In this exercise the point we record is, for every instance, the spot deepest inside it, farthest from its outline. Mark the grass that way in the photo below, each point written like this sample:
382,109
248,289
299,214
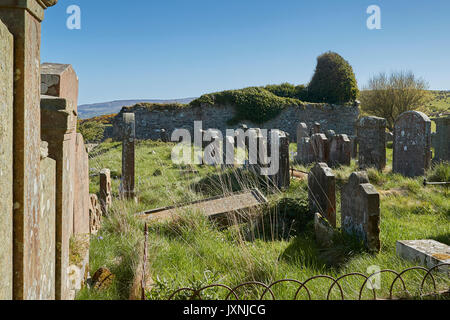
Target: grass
193,252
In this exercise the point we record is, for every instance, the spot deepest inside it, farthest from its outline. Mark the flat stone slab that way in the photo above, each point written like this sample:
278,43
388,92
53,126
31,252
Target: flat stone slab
218,208
429,253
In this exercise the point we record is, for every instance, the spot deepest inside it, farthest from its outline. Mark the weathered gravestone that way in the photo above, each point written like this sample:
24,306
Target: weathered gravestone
302,131
60,80
372,142
81,188
95,214
282,179
322,192
428,253
47,228
6,163
128,156
354,146
58,126
412,144
442,139
23,19
339,150
105,190
319,145
316,128
305,152
360,210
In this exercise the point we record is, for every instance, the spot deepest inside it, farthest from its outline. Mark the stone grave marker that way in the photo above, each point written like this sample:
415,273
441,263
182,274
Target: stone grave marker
128,156
322,192
372,142
442,139
105,190
340,150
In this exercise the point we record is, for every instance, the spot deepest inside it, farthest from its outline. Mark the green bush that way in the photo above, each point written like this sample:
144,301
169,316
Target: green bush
333,80
253,104
440,172
287,90
91,130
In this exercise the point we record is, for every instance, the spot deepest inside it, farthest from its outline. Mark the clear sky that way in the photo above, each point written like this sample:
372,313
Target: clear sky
164,49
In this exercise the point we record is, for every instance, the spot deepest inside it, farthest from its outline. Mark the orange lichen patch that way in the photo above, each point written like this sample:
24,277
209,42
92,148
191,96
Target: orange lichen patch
441,256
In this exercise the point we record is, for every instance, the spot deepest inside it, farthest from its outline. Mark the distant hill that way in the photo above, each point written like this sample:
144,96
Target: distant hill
87,111
440,103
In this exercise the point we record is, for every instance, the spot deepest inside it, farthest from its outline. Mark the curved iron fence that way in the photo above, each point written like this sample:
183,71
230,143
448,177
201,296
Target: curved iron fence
268,291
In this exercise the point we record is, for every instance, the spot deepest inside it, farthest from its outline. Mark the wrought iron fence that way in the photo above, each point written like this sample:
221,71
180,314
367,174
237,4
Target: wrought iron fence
268,290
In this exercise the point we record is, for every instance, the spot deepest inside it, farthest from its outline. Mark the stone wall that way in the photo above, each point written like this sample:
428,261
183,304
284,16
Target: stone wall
150,122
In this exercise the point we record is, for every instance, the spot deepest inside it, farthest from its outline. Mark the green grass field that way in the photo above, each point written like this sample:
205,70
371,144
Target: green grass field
193,252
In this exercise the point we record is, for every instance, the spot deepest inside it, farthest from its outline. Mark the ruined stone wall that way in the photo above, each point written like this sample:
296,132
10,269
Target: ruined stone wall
150,122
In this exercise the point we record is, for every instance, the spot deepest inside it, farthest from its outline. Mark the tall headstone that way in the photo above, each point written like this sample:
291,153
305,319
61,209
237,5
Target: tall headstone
23,19
305,152
283,178
372,142
81,188
340,150
128,156
319,144
412,144
47,228
6,163
360,210
322,192
442,139
57,124
105,190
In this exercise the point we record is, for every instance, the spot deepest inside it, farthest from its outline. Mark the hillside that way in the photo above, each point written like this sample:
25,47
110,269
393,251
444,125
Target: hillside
440,102
87,111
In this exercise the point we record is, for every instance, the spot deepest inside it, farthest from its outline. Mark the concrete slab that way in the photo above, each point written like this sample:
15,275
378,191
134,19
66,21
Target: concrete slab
429,253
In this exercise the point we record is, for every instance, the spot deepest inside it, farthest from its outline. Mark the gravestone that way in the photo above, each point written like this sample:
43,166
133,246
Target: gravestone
372,142
81,188
95,214
428,253
23,20
330,134
60,80
128,156
302,131
58,126
354,146
305,152
360,210
316,128
47,228
340,150
282,178
412,144
6,163
322,192
105,190
319,145
442,139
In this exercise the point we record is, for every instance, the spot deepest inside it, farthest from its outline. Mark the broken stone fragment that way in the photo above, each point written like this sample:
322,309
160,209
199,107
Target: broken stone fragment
102,278
324,231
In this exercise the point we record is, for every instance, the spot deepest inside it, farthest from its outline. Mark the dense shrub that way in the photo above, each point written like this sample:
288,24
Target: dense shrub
254,103
92,131
333,80
287,90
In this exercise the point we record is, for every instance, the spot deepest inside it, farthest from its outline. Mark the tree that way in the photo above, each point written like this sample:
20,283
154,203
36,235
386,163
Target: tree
92,131
333,80
388,96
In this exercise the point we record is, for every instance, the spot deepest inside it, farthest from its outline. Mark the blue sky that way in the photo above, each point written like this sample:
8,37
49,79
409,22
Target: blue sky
146,49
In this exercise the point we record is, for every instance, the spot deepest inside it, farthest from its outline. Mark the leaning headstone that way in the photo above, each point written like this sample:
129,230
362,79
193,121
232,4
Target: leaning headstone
57,128
322,192
372,142
81,188
105,190
428,253
319,145
6,163
442,139
339,150
360,210
128,156
412,144
23,20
